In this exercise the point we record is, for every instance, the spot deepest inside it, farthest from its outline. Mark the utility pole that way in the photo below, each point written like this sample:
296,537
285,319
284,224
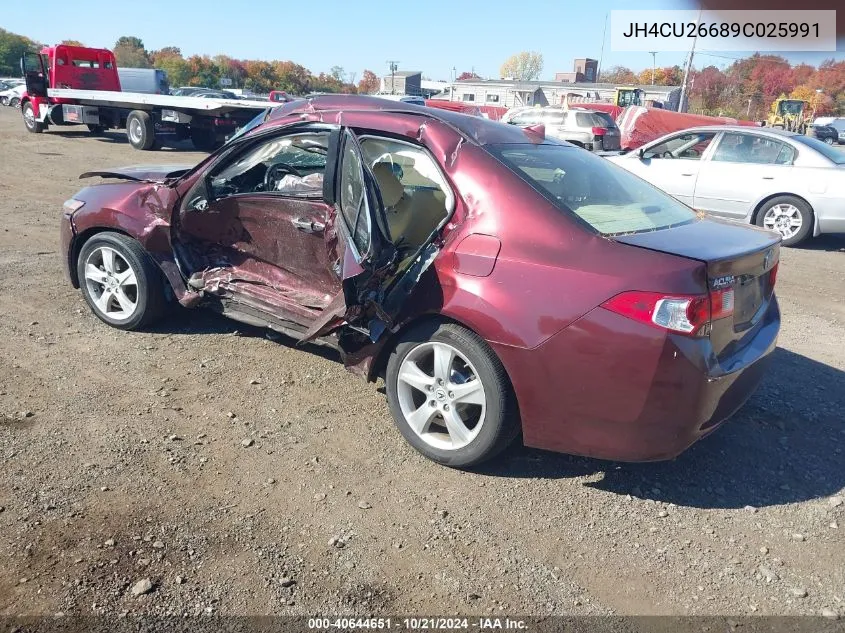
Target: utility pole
682,105
601,55
394,66
653,65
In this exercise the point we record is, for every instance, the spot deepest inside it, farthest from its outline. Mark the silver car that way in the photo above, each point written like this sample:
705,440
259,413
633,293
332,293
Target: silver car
590,129
779,180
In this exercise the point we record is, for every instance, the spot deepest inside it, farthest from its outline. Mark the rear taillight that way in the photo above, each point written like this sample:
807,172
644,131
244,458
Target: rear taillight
773,276
599,131
721,303
685,314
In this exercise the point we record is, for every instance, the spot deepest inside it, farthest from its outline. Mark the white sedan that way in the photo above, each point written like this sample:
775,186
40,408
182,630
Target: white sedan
779,180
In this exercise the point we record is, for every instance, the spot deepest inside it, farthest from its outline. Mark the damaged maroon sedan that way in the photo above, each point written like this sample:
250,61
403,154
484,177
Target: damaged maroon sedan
498,281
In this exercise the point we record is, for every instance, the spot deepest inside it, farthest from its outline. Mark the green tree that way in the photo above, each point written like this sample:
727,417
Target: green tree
130,52
12,46
338,73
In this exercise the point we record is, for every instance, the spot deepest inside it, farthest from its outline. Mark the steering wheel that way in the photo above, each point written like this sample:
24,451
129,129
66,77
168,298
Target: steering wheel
667,155
274,174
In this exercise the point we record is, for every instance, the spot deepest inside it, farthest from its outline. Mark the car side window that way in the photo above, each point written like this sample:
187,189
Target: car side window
354,206
293,164
736,147
685,146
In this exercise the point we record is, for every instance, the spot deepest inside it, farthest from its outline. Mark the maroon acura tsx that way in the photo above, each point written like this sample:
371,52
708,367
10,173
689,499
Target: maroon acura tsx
498,281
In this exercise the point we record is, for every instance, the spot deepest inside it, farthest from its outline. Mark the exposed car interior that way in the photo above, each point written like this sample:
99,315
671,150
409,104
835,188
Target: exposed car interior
292,165
414,193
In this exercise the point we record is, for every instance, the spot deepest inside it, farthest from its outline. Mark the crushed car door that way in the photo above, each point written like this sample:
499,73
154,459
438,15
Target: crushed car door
252,228
367,256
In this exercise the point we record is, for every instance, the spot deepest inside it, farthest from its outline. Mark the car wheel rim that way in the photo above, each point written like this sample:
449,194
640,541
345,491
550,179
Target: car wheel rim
785,219
135,131
29,116
111,283
441,396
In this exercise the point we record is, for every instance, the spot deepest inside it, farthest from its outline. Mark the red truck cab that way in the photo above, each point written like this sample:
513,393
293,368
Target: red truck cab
63,66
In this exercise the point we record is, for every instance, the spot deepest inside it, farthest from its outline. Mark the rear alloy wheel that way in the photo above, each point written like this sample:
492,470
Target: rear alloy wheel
140,130
789,216
450,396
15,102
120,283
29,120
829,140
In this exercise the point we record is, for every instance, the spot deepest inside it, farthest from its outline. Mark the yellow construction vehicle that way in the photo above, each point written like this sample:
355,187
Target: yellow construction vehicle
789,114
626,96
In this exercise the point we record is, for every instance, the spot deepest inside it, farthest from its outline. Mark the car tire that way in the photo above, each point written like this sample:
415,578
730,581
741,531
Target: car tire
488,418
96,129
140,130
829,140
777,212
4,101
128,305
28,112
14,102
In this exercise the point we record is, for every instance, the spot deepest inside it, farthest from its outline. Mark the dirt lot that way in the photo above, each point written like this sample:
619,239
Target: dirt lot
124,459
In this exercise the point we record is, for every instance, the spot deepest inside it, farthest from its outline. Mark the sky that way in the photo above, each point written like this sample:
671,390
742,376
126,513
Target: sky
437,37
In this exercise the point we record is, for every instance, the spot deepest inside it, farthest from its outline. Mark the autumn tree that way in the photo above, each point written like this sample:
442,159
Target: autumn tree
466,75
708,90
524,66
292,78
129,52
163,53
369,83
618,75
72,43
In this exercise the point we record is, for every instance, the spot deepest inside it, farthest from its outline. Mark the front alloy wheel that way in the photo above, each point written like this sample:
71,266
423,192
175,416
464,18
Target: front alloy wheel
112,283
450,396
120,283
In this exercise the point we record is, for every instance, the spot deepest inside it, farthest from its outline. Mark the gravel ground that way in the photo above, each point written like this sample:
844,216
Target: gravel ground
204,467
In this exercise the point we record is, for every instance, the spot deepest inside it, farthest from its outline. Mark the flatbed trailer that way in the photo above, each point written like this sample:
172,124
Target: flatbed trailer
69,85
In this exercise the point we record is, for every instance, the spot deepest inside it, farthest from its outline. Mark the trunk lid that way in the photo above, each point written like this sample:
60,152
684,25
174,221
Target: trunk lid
736,256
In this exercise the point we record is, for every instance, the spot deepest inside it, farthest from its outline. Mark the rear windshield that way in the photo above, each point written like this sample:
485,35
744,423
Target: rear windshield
828,151
605,196
594,119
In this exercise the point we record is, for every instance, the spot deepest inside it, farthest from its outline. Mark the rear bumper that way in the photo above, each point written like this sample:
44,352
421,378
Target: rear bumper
611,388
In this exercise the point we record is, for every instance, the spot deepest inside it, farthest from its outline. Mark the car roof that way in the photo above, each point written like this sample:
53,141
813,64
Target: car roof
479,130
755,129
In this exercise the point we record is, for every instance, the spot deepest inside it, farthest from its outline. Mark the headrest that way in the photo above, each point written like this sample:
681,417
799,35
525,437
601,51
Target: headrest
389,186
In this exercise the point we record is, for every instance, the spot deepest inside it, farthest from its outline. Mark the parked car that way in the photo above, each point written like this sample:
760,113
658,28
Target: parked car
186,91
590,129
497,281
12,96
825,133
780,180
838,124
144,80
